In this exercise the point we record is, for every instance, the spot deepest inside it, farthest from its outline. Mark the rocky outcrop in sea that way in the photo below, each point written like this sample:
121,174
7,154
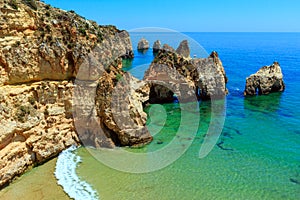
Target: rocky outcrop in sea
189,79
143,45
266,80
156,46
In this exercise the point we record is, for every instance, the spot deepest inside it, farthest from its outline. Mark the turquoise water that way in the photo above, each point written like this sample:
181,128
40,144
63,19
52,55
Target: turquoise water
258,152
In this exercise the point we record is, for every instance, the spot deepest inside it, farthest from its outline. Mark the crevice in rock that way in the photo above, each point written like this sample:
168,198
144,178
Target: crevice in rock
111,134
160,94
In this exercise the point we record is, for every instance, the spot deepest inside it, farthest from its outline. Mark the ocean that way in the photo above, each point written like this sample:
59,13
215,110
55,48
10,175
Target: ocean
258,151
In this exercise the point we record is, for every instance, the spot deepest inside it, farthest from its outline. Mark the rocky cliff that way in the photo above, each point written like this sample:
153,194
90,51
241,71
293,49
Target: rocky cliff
266,80
56,66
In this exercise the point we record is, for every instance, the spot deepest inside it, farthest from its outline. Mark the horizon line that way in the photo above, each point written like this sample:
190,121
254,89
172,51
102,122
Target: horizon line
174,31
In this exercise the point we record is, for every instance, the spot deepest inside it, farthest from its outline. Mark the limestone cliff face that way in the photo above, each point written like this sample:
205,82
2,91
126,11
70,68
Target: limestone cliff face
60,39
266,80
189,79
51,63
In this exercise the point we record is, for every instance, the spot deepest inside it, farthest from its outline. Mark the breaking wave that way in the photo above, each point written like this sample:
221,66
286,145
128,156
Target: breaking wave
65,173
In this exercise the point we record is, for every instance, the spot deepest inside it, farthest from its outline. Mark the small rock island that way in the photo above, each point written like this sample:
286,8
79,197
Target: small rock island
143,45
156,46
266,80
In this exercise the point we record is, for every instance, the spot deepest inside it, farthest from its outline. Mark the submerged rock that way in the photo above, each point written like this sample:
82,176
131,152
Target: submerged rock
143,44
159,142
220,145
184,49
293,180
156,46
266,80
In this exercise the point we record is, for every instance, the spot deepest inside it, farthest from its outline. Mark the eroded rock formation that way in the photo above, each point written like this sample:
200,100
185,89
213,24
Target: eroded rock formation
143,44
120,108
156,46
52,63
167,47
189,79
212,79
184,49
266,80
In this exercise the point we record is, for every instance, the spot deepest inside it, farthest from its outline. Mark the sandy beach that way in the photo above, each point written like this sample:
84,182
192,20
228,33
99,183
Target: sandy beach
38,183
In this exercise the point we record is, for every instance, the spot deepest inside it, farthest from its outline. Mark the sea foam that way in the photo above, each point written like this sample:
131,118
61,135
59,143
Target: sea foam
65,173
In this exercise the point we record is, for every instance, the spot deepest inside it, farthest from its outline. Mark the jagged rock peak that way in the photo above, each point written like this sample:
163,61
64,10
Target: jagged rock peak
156,46
168,48
214,54
184,49
143,44
266,80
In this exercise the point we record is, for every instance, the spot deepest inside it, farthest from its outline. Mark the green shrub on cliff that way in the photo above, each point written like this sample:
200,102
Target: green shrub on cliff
46,112
31,3
22,113
13,4
82,31
31,100
119,77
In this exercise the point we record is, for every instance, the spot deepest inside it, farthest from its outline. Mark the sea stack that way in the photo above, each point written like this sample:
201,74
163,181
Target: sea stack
156,46
184,49
266,80
143,45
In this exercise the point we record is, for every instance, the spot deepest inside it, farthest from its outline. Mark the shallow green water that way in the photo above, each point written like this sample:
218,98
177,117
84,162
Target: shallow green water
250,165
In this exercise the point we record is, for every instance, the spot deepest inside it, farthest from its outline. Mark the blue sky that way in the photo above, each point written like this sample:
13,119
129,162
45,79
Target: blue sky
191,15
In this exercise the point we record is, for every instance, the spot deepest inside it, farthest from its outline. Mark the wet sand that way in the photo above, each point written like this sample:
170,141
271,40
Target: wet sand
38,183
